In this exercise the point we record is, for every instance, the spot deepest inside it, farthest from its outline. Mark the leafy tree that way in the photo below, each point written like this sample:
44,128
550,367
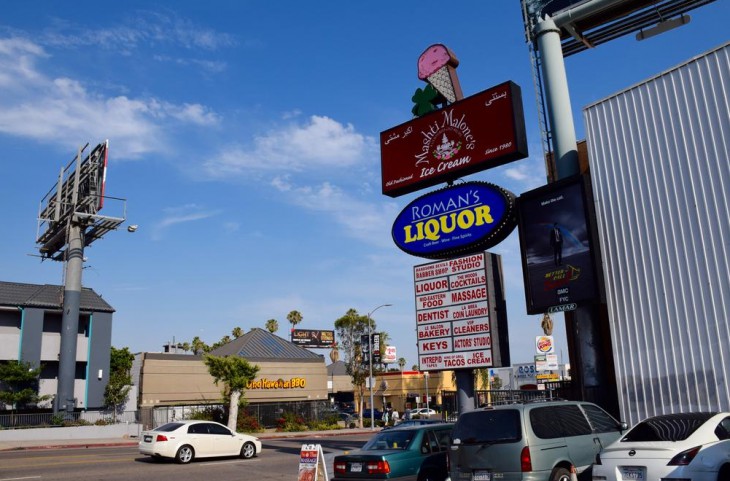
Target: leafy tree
414,367
19,384
402,363
237,332
272,325
185,346
235,373
497,383
120,379
350,328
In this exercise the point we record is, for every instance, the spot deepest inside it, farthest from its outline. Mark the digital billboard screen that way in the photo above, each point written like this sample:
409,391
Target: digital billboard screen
558,251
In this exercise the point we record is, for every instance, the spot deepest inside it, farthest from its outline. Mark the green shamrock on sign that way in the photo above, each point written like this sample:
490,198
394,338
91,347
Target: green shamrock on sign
426,100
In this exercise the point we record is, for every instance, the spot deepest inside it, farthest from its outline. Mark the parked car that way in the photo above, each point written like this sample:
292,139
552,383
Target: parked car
692,446
412,453
184,441
539,441
423,412
377,414
414,422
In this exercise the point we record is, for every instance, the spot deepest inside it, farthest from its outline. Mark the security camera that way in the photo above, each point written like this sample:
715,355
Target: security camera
132,228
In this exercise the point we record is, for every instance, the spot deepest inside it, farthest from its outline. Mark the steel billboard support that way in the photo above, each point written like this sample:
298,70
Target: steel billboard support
65,400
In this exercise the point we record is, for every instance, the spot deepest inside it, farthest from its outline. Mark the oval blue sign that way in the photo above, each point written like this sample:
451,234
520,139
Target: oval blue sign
455,220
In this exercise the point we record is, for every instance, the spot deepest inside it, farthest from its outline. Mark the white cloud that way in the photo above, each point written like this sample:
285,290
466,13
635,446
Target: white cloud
143,29
320,142
63,110
367,221
180,215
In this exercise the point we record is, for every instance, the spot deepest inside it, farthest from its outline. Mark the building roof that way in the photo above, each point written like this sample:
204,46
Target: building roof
337,368
16,294
261,345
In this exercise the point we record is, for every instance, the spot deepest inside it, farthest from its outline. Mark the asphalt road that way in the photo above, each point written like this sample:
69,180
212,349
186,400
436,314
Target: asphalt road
279,461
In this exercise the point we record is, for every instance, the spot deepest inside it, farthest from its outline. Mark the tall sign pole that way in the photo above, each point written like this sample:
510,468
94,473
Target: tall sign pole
68,221
65,400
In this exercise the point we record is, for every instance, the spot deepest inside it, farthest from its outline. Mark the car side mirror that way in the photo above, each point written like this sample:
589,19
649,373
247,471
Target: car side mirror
623,426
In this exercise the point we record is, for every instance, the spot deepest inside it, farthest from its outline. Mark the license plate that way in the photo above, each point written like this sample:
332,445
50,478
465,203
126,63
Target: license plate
356,467
148,439
632,473
481,475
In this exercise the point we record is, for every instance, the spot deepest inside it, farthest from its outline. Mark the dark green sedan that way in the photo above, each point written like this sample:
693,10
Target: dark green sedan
415,453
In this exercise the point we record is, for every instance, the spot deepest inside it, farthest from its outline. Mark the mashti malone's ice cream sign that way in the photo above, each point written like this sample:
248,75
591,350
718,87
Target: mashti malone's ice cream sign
453,314
474,134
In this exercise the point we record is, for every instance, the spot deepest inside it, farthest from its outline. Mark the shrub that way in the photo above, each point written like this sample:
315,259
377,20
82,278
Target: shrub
248,423
290,422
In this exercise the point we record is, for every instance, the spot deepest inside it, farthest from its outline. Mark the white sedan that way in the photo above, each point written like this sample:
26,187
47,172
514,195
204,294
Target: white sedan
184,441
687,446
423,412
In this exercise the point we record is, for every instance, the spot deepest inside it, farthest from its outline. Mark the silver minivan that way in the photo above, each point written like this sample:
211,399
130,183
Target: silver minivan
532,441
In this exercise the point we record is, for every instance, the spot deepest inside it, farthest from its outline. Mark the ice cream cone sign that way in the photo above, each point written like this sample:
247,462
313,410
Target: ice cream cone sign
437,66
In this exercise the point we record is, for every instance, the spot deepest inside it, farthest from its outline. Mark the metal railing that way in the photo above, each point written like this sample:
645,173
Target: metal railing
83,418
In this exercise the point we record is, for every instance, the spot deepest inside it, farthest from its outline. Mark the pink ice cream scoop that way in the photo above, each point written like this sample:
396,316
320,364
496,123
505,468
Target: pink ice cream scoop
437,65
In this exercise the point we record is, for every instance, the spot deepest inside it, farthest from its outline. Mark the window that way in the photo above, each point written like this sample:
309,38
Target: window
559,421
601,421
168,427
197,429
722,431
489,427
218,429
389,440
444,439
670,427
545,423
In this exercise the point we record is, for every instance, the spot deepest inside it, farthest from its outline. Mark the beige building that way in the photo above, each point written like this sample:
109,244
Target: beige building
396,389
287,374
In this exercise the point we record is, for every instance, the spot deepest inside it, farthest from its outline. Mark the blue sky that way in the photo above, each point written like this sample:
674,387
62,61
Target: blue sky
244,136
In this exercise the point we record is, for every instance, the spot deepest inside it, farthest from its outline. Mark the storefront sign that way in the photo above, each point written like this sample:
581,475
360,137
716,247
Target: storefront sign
452,314
544,344
456,220
474,134
293,383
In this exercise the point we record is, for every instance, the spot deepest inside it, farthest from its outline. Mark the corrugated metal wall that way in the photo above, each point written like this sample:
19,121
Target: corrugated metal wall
660,162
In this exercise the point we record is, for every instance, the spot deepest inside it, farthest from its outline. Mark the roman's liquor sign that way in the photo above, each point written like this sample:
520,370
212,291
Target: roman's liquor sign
460,219
474,134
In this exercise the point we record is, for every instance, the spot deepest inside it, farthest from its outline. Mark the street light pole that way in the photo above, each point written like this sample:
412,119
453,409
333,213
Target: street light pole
370,363
428,409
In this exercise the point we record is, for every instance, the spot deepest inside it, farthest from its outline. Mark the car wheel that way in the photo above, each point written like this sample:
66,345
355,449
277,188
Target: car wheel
184,455
724,473
560,474
248,450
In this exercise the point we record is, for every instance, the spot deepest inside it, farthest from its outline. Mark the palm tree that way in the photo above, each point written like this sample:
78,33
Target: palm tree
237,332
272,325
294,317
402,363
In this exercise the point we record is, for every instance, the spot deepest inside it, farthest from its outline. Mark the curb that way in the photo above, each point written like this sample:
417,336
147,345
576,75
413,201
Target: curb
265,436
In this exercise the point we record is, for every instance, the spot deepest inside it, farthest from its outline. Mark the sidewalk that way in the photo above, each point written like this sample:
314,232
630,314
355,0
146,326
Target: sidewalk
132,441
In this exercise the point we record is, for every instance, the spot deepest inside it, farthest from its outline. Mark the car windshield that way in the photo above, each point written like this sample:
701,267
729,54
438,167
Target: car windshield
672,427
389,440
488,427
168,427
